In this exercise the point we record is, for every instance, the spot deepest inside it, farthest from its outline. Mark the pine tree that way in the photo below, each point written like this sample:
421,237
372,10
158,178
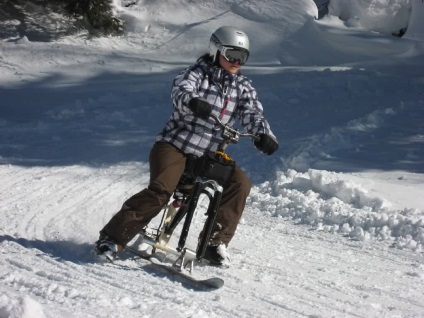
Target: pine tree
96,15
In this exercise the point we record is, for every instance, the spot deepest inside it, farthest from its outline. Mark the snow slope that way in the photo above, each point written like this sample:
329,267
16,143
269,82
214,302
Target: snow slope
334,226
415,25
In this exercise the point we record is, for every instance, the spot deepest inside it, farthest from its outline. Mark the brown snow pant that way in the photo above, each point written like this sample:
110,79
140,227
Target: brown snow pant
166,167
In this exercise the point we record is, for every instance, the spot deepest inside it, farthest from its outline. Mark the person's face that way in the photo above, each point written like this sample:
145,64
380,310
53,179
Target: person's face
232,68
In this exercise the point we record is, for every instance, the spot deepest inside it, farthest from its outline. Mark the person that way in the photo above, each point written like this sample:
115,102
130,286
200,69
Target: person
213,85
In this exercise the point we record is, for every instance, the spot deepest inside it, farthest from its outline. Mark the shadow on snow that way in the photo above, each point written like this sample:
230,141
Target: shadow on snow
115,117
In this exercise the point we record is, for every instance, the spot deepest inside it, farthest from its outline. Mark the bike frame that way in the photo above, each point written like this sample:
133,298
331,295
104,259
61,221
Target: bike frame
184,204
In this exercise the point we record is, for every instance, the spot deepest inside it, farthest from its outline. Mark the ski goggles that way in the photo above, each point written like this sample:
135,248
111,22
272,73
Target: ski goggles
235,55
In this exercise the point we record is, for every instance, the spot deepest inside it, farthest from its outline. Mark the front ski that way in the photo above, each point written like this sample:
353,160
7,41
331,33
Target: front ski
186,279
209,283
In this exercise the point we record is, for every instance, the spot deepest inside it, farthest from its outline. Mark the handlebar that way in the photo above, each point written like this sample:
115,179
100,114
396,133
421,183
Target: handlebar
230,134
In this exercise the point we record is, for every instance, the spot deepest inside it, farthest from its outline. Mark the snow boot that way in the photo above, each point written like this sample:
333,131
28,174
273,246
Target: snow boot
106,249
217,255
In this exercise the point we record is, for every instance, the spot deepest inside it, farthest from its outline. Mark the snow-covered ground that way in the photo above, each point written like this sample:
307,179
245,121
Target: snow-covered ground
334,226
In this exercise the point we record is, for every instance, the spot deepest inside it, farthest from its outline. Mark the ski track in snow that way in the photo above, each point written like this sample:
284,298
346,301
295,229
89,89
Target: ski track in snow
290,277
272,287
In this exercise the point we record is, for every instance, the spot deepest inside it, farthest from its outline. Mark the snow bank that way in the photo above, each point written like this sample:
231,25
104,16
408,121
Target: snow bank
380,15
416,26
326,203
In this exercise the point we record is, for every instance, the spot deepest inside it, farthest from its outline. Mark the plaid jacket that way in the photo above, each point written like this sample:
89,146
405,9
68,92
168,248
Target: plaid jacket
230,95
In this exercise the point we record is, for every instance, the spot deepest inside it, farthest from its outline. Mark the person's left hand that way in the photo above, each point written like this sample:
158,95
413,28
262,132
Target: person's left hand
266,143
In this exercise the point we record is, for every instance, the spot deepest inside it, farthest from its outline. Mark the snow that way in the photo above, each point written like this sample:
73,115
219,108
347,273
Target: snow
334,225
415,25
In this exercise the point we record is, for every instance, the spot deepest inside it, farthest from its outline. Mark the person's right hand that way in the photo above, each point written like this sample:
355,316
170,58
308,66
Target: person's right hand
200,107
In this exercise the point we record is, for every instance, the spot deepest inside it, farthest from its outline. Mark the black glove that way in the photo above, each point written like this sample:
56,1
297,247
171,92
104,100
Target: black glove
200,107
266,144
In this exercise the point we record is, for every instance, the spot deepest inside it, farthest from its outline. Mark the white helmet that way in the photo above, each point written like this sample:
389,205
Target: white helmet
232,43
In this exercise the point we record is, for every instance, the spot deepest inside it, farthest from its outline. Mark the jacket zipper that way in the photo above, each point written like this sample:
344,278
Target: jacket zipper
226,101
224,109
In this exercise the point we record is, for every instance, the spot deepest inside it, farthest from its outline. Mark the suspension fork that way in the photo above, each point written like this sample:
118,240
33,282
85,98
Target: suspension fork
210,221
214,192
189,212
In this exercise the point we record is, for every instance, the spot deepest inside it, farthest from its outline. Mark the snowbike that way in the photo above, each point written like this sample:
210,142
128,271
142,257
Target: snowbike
204,175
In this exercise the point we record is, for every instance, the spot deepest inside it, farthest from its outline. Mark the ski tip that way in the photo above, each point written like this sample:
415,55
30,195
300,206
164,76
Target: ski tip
214,283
